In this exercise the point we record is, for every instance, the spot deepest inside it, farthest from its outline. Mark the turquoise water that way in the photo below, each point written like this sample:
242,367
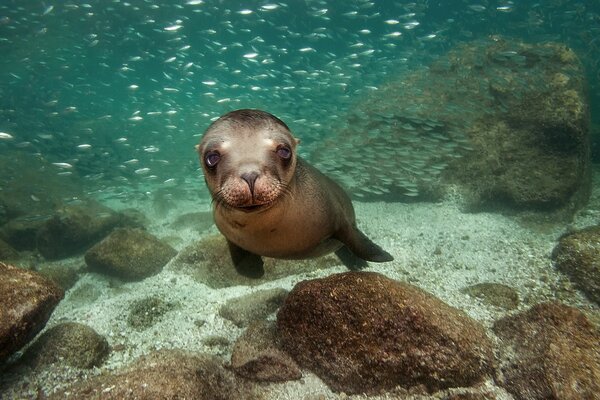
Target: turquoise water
118,92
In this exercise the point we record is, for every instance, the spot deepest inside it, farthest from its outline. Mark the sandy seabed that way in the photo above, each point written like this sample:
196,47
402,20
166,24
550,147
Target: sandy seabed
436,246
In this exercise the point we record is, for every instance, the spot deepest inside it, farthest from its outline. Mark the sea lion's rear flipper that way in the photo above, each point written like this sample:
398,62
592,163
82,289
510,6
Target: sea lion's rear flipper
350,260
246,263
360,246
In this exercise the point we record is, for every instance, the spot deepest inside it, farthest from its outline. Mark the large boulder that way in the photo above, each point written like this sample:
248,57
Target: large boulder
166,374
130,254
363,332
578,255
26,302
495,122
550,352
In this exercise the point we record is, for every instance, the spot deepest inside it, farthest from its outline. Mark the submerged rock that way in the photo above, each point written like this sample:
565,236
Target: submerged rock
130,254
165,374
26,302
551,351
254,306
578,255
209,262
65,272
199,221
147,311
75,344
21,233
257,356
494,294
494,122
73,229
363,332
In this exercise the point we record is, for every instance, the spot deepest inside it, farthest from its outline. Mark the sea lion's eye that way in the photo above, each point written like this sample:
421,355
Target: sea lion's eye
284,152
211,159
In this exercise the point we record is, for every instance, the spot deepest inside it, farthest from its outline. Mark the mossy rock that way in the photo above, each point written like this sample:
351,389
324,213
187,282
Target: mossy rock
494,294
75,344
7,252
148,311
578,255
130,254
209,262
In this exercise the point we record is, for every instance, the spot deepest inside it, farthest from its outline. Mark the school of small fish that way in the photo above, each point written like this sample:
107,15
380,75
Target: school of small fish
118,91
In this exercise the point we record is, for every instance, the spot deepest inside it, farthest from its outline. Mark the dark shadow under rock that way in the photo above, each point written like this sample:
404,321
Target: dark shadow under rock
578,255
257,355
362,332
209,262
75,344
165,374
254,306
7,252
26,302
130,254
552,352
494,294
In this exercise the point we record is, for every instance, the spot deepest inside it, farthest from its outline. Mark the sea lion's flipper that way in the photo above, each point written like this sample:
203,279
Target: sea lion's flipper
350,260
246,263
361,246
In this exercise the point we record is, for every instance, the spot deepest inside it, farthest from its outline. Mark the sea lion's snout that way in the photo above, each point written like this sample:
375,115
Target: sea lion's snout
250,178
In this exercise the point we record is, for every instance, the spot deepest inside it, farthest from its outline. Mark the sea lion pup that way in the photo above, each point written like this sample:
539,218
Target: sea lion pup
270,202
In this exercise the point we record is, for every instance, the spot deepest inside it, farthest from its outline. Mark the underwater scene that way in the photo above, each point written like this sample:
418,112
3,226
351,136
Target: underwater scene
300,199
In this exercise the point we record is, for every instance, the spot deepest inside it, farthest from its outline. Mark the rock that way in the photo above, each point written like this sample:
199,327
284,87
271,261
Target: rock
75,344
578,255
147,311
130,254
21,233
209,262
254,306
257,356
165,374
64,273
494,294
494,123
73,229
550,352
7,252
363,332
199,221
26,301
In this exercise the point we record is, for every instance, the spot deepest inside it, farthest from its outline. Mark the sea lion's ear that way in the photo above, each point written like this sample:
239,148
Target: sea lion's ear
297,141
197,148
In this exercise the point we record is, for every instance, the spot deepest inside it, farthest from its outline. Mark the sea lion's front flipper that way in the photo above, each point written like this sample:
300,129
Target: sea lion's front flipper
246,263
361,246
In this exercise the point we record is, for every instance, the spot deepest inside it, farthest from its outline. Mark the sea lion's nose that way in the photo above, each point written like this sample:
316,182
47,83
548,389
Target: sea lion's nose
250,178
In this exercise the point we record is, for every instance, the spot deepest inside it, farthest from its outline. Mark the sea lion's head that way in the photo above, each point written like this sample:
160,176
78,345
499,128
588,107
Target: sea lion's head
248,158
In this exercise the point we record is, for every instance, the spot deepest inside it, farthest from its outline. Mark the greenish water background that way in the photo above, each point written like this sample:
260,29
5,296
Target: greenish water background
118,92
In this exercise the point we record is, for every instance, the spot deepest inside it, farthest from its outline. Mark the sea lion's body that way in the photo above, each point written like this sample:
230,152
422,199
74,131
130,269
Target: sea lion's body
270,202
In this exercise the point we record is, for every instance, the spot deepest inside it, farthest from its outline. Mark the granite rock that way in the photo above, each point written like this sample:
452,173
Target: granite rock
130,254
72,343
257,356
254,306
578,255
165,374
550,352
26,302
363,332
